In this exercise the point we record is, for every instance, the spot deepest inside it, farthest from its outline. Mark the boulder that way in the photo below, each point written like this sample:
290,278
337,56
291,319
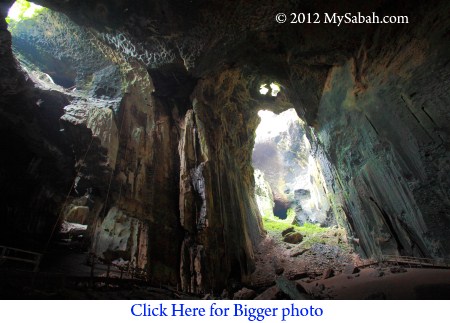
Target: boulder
397,270
225,294
377,273
290,288
298,253
245,293
279,270
272,293
288,230
296,276
300,288
351,269
327,273
293,237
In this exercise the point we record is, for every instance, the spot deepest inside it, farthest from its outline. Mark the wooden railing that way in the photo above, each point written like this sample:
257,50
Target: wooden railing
20,255
111,270
415,261
406,260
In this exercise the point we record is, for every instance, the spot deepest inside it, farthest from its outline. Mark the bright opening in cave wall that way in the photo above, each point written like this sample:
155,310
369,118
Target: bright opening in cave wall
147,164
287,177
273,89
35,44
32,38
22,9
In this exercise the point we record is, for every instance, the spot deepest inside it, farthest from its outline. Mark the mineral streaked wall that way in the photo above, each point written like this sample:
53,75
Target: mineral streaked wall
106,149
382,123
217,211
99,120
11,80
382,132
120,237
35,162
263,195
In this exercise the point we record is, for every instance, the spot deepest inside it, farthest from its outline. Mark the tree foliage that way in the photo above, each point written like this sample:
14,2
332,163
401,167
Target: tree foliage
22,10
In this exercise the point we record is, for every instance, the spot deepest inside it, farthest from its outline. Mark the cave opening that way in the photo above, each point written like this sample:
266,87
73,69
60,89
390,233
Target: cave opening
31,30
22,9
65,63
272,89
291,196
132,128
285,171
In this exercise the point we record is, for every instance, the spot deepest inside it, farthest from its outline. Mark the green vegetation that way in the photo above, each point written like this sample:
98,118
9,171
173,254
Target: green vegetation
330,236
310,229
267,214
276,226
312,233
22,10
290,213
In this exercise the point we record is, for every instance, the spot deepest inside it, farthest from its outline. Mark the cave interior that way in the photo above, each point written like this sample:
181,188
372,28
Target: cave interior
129,137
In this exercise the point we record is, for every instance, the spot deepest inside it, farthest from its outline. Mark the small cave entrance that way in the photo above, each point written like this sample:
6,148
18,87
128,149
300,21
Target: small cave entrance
280,209
32,48
287,179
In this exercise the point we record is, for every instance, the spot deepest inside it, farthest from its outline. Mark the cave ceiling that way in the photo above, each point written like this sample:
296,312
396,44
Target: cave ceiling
206,37
166,101
227,33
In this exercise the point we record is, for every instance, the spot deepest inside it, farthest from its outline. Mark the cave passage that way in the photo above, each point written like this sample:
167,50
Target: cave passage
130,138
280,209
285,171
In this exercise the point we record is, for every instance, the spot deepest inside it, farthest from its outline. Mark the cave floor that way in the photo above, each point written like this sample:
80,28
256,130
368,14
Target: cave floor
321,271
384,283
275,257
329,272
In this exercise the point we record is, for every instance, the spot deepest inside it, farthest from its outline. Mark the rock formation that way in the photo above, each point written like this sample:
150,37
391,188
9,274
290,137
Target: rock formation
282,156
138,119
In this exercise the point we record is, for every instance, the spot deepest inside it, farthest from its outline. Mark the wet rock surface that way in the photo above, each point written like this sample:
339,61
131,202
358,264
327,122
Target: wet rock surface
147,138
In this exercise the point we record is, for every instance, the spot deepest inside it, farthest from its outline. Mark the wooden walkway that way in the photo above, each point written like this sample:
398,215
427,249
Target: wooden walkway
21,256
418,262
111,270
99,267
103,274
408,261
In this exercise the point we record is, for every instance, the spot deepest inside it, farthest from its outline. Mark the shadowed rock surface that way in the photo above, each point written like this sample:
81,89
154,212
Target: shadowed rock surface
138,119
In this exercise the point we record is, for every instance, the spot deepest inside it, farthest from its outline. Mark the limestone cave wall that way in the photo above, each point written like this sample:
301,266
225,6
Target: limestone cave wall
382,125
92,155
152,148
218,213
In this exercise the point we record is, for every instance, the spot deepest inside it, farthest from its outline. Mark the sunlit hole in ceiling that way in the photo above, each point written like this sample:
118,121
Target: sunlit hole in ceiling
22,9
273,89
32,46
